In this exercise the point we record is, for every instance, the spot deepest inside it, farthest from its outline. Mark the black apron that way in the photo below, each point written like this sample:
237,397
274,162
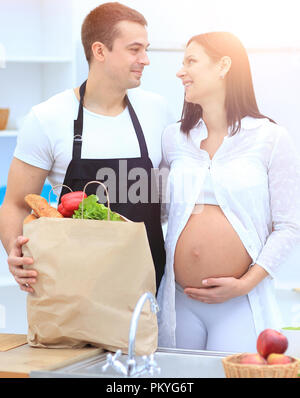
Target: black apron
81,171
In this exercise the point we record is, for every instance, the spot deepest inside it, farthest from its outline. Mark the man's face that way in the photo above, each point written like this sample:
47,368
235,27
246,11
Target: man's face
125,63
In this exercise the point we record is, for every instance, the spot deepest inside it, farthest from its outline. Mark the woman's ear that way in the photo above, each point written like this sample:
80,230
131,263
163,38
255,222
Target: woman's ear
224,65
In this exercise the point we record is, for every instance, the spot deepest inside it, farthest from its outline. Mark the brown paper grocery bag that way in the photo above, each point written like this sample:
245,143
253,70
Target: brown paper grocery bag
91,274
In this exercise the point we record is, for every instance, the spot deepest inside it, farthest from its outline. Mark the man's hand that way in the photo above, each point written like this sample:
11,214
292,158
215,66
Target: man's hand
24,277
23,179
218,290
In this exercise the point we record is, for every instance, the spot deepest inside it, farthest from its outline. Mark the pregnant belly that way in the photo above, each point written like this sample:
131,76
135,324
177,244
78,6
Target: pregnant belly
208,247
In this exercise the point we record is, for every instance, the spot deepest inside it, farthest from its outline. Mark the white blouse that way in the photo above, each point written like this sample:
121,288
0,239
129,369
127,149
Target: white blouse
256,179
207,195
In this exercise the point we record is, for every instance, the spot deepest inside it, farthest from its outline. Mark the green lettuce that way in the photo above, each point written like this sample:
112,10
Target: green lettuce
92,210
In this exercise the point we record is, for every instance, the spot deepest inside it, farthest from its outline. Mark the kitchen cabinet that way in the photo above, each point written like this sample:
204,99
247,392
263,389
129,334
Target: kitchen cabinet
40,46
39,39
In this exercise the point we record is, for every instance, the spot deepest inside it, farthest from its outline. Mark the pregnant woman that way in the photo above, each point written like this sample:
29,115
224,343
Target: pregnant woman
232,200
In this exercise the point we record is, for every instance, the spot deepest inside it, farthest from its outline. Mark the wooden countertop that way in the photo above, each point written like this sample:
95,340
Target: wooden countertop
22,359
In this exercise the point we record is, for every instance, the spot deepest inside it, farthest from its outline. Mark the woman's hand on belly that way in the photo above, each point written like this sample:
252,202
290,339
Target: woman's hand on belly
218,290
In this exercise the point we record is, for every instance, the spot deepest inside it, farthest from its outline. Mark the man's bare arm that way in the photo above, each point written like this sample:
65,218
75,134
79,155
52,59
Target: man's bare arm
22,180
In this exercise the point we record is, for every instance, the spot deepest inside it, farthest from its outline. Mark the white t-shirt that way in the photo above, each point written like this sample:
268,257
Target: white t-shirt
46,137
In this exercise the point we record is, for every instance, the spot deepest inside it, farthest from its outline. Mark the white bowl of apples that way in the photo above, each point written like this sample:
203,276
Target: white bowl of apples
270,359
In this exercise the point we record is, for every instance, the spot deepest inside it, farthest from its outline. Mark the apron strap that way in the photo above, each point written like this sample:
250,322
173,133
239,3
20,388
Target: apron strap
78,127
138,129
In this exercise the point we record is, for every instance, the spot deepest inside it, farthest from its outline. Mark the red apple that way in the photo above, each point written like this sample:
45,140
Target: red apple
270,341
274,359
252,359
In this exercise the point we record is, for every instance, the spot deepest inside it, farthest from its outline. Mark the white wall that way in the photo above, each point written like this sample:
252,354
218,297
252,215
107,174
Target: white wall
258,23
268,28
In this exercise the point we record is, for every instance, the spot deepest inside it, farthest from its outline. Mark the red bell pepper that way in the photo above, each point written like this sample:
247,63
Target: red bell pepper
70,201
64,212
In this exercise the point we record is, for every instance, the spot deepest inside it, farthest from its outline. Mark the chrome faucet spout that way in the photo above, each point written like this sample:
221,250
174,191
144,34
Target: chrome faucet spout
131,369
134,324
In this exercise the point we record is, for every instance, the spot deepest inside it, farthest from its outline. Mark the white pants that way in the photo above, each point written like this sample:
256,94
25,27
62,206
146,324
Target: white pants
227,326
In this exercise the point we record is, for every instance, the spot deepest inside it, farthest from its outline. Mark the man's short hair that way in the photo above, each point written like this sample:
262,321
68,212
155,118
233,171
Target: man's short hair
100,25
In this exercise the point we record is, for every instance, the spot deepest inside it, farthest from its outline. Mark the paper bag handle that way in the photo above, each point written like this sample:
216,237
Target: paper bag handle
106,191
56,186
91,182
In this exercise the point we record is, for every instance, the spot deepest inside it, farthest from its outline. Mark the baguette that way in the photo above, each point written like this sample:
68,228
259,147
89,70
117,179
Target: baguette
30,218
41,207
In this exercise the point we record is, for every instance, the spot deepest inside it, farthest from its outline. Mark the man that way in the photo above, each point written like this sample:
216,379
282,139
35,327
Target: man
75,135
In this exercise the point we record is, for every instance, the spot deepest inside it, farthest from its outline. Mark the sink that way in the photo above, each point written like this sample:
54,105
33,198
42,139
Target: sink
174,363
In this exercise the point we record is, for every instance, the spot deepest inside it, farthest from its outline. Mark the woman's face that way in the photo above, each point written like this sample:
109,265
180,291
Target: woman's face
200,75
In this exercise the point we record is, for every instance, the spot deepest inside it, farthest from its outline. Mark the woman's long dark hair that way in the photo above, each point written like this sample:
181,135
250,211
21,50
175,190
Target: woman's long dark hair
240,97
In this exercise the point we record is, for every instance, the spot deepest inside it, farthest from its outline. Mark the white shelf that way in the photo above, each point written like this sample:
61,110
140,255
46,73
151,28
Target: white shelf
8,133
44,65
38,59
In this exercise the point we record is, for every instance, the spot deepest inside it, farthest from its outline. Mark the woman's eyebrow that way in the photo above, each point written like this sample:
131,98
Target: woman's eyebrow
187,57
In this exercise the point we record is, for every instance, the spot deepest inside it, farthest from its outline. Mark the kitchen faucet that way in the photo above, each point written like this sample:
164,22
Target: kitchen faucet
149,364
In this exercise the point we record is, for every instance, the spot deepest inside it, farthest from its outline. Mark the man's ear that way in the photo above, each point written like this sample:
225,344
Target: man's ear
98,50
